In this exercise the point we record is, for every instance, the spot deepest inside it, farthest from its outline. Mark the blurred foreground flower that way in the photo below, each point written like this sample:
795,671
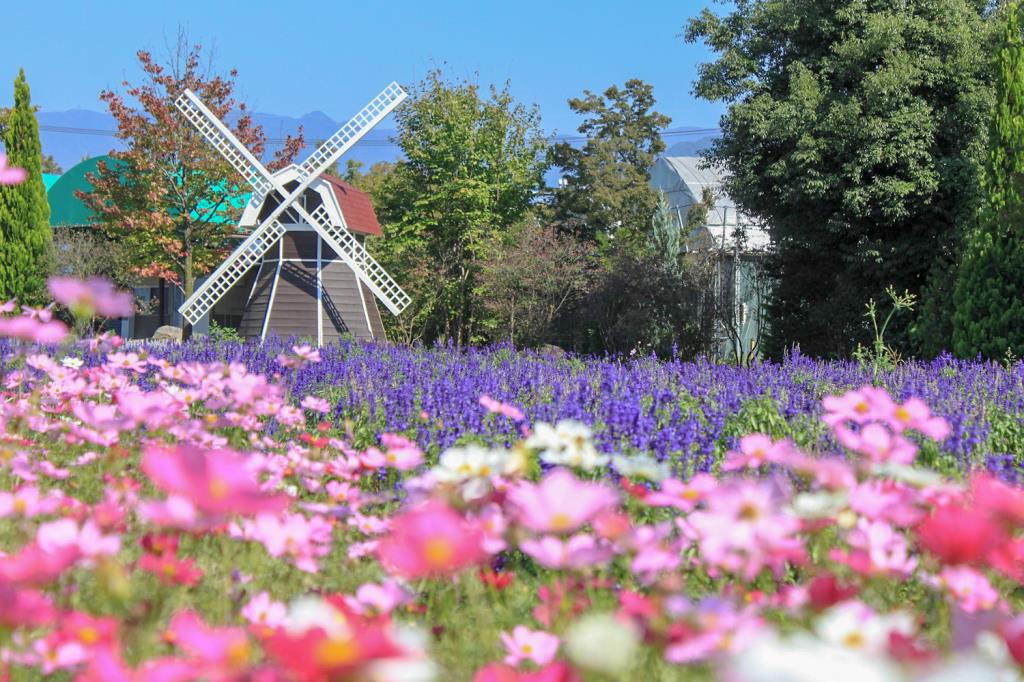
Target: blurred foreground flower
11,175
95,296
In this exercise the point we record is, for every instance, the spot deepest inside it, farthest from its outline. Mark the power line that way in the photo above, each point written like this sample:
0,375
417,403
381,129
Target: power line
98,132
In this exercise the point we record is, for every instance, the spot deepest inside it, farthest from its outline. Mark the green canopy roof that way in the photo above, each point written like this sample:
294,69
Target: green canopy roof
67,210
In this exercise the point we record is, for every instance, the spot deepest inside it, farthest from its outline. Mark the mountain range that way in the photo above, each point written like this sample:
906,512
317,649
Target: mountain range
73,135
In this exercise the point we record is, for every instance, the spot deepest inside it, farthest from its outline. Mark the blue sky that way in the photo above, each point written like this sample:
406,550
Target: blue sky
297,57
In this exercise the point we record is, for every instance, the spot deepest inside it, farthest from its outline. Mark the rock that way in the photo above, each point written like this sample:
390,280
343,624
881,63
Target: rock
167,333
552,351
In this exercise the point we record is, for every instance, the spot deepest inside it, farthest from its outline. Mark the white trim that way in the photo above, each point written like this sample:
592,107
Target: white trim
273,292
366,313
252,289
319,293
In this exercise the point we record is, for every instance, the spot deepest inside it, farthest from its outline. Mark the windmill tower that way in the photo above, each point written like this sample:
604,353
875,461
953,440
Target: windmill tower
314,278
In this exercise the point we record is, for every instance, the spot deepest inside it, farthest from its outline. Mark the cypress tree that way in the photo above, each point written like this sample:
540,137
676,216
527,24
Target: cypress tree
989,316
25,239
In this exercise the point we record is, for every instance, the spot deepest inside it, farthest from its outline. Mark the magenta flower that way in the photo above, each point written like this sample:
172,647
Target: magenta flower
560,503
90,297
217,482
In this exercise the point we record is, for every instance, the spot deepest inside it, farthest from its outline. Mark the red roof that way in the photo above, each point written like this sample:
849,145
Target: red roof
356,207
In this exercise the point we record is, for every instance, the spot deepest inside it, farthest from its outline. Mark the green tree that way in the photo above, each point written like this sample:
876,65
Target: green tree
472,165
989,316
25,242
855,131
605,189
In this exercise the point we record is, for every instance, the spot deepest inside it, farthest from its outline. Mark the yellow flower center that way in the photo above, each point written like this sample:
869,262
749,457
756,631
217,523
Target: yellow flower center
238,654
20,505
333,653
861,407
561,521
438,551
749,512
902,414
854,640
218,488
88,635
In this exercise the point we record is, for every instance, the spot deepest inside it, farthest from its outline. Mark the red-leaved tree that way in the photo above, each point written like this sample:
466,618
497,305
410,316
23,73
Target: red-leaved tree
169,199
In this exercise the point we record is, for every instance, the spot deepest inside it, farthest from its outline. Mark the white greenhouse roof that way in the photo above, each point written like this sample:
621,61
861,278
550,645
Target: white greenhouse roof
683,179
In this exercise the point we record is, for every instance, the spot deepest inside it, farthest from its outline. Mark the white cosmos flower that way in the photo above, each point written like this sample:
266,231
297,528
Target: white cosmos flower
601,643
641,466
568,443
471,467
856,626
818,505
803,658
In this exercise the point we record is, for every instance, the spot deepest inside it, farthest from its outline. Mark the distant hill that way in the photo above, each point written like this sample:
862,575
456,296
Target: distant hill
77,134
690,147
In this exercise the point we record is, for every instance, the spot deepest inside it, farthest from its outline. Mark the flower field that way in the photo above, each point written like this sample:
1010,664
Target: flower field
224,511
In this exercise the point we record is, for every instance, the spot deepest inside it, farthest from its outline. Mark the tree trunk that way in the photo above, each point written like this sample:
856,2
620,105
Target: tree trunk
188,285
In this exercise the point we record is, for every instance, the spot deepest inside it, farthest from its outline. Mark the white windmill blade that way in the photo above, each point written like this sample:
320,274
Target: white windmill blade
355,255
224,141
348,248
328,153
262,238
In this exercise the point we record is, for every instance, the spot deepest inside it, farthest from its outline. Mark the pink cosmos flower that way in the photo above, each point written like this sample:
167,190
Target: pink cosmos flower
217,482
560,503
524,644
377,599
55,655
316,404
218,649
880,550
401,453
683,496
56,536
969,587
32,565
20,607
36,331
744,529
430,539
878,444
755,450
915,414
170,569
886,500
866,404
578,551
263,611
497,407
93,296
294,536
343,493
27,502
11,175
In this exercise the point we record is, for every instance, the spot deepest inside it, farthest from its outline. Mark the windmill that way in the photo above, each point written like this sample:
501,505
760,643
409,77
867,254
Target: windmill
314,276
